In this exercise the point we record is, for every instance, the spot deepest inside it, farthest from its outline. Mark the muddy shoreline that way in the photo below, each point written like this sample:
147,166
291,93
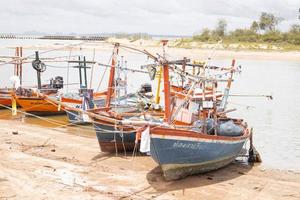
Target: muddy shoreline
44,163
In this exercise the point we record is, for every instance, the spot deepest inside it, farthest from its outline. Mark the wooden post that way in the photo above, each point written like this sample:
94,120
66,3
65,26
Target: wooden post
167,93
215,107
79,70
110,88
167,117
194,72
16,71
84,70
38,71
21,66
203,100
183,69
82,65
125,79
227,89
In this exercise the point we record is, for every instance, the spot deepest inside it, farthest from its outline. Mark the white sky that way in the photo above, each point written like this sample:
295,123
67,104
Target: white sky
169,17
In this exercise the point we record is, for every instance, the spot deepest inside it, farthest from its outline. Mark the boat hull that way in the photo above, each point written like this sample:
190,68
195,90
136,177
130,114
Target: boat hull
5,101
38,106
180,156
75,117
111,140
41,107
5,98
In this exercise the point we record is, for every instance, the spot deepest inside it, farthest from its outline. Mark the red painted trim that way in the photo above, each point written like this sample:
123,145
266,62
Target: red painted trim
106,123
185,133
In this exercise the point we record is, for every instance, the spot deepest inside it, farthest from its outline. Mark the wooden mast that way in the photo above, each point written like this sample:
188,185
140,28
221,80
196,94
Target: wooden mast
18,63
167,117
167,93
226,91
110,86
21,66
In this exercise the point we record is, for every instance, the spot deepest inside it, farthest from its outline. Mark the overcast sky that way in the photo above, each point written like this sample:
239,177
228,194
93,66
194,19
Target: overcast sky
172,17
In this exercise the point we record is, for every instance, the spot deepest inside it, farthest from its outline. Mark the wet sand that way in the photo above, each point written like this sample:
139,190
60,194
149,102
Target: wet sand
44,163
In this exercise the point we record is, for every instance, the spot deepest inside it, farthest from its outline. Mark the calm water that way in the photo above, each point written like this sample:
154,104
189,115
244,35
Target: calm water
276,122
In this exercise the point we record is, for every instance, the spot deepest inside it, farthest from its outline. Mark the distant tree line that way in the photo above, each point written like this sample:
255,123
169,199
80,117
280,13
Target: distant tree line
263,30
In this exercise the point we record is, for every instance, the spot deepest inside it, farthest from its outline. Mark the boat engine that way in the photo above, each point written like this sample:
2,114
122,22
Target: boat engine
57,82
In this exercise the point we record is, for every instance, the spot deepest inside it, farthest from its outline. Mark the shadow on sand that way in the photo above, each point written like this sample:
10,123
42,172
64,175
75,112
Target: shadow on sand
156,180
106,155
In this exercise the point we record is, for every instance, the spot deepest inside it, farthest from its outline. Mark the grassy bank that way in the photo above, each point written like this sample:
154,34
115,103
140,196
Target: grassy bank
191,43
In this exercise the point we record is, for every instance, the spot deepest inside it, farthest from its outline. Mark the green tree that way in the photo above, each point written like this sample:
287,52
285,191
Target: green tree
221,28
293,36
268,21
243,35
295,28
254,26
205,35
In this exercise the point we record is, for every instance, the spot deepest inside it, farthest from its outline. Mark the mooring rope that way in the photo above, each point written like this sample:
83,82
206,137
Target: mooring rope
102,77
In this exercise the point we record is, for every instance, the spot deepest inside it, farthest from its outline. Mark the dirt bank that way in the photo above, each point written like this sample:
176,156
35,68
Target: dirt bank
40,163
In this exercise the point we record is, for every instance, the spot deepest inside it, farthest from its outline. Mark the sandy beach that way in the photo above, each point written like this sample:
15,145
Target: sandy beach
43,163
207,90
154,46
215,51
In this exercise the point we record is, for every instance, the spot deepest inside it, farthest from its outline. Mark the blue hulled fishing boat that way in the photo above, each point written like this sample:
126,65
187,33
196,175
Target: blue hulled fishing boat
184,152
195,137
111,138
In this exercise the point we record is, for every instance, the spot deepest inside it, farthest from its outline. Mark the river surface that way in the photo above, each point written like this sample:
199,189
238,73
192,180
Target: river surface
276,122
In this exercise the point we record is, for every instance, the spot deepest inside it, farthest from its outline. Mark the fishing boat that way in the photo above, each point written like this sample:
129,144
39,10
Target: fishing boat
87,100
32,103
206,144
5,93
28,99
184,152
196,136
112,137
91,101
5,98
